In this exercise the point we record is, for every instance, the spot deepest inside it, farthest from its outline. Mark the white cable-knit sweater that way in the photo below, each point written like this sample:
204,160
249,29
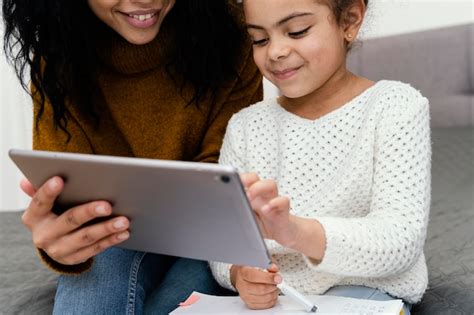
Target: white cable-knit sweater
363,171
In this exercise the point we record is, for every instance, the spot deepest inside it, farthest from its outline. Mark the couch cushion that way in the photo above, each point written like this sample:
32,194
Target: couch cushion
449,248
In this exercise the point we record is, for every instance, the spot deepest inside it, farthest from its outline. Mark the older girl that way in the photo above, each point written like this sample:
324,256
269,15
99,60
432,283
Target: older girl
141,78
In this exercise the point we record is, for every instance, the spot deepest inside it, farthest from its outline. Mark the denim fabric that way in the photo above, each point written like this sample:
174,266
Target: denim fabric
184,277
129,282
360,292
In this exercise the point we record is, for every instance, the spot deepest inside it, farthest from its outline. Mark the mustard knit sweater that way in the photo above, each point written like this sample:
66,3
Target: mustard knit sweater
144,114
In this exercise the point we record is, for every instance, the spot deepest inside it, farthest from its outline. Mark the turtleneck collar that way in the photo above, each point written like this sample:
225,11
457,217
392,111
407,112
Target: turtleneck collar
123,57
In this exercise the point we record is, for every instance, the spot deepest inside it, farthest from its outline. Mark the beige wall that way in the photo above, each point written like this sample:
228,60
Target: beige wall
390,17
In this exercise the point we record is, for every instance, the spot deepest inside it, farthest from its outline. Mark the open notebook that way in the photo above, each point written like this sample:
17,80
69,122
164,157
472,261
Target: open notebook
199,303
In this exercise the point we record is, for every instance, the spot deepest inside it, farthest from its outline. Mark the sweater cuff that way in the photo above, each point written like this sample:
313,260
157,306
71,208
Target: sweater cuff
64,269
221,272
335,248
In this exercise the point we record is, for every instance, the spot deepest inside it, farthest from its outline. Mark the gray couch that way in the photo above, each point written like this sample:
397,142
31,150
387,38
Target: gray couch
440,63
437,62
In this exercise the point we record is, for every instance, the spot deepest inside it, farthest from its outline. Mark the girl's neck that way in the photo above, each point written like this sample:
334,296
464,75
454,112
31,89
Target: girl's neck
342,87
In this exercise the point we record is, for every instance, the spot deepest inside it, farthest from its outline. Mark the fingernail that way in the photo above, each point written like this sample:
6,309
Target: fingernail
249,196
123,236
53,183
119,224
100,209
277,279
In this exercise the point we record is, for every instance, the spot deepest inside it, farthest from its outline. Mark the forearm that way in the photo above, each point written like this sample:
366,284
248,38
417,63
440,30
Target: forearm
310,238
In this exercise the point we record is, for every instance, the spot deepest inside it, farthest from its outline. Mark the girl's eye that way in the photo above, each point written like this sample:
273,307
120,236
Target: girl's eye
260,42
299,33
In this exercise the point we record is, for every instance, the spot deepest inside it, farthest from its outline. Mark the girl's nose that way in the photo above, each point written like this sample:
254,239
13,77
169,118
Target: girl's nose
278,50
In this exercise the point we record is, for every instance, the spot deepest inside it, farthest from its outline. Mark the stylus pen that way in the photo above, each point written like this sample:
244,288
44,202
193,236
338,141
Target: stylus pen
298,297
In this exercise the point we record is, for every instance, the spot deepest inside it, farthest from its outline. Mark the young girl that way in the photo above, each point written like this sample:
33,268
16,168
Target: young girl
341,182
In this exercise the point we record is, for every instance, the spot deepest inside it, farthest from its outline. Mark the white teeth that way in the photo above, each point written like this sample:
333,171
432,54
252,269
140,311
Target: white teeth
142,17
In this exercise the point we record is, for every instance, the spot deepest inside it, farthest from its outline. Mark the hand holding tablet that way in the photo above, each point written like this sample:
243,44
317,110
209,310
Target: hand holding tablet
64,238
187,209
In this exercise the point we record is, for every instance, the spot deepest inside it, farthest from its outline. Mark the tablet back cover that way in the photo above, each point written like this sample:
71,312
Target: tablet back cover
186,209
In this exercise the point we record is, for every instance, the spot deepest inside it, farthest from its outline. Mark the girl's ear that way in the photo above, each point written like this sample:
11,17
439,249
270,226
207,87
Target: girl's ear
352,19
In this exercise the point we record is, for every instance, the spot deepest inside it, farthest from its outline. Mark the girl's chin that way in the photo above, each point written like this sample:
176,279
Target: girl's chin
292,93
139,39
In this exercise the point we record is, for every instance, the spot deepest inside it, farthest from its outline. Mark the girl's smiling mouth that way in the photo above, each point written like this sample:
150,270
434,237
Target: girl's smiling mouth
142,19
285,73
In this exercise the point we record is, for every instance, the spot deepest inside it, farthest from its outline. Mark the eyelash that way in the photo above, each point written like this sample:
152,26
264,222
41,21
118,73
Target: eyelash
298,34
259,42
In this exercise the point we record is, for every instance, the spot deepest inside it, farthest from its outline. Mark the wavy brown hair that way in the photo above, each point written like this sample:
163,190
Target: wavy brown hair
340,6
56,41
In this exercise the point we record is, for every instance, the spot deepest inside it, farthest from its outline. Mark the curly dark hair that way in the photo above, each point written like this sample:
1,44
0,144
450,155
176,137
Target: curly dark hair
56,40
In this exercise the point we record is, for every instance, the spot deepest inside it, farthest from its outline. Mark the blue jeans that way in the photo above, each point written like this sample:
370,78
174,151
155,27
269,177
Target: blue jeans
129,282
360,292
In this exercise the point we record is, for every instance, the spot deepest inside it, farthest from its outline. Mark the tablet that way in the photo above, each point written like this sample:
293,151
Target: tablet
187,209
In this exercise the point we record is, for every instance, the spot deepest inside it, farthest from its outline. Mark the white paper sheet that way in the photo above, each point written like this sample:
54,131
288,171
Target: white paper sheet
208,304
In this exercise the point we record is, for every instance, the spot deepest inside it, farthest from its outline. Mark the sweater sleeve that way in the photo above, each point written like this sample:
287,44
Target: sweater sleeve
247,89
390,238
49,138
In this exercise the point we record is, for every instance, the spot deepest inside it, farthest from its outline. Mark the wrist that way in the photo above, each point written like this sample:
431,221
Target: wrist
308,237
295,231
233,274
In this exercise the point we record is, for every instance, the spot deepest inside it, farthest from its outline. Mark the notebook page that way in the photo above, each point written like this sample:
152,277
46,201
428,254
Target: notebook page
208,304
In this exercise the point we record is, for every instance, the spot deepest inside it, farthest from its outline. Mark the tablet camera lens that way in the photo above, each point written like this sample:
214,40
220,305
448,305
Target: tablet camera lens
225,178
